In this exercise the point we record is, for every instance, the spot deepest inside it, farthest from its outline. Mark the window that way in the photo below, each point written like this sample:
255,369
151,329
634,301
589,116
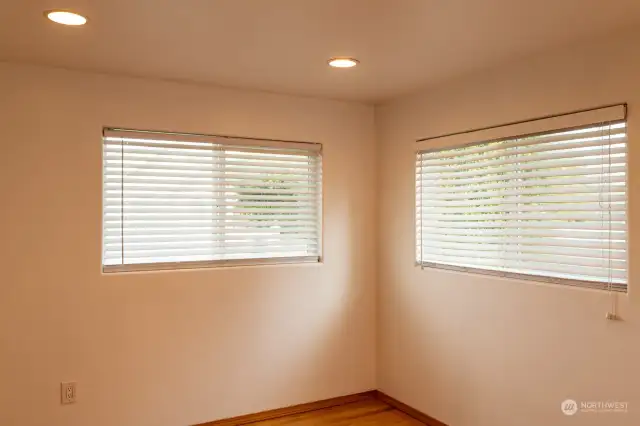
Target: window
180,201
547,206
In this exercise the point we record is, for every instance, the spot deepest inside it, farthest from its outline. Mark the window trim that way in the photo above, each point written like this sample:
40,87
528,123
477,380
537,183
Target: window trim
569,282
611,114
304,146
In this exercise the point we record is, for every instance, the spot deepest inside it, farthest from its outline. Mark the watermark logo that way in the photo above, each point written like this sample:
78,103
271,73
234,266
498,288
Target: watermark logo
571,407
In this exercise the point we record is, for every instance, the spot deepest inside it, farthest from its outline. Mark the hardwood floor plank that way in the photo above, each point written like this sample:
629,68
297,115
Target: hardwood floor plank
370,412
416,414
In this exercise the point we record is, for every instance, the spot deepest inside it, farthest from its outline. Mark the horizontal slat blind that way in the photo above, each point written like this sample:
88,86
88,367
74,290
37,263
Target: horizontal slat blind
548,206
171,201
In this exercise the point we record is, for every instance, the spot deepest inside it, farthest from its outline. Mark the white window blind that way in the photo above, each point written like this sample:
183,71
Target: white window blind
177,201
549,206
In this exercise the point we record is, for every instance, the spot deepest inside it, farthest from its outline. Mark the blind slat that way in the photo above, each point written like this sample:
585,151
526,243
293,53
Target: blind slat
465,249
195,244
220,188
172,206
177,251
153,197
266,179
539,206
115,153
552,258
150,164
564,216
146,205
588,183
612,192
549,232
497,245
205,237
116,223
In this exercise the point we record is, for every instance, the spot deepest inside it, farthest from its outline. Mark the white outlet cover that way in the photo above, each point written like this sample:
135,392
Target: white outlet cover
68,392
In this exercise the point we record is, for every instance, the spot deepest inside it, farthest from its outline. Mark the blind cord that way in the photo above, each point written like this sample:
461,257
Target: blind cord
122,200
607,211
421,231
612,296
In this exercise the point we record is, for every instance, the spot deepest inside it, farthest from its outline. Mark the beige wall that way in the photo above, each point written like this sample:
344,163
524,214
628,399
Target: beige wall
483,351
174,348
170,348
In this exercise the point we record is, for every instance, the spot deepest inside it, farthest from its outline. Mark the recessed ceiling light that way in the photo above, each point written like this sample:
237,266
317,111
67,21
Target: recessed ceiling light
65,17
343,62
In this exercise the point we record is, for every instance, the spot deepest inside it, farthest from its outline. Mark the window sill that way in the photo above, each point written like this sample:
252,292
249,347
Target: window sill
207,264
569,282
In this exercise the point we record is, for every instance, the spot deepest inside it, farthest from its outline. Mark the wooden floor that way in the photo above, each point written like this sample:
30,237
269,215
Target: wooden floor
370,412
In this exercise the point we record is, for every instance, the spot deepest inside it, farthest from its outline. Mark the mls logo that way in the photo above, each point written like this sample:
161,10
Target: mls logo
569,407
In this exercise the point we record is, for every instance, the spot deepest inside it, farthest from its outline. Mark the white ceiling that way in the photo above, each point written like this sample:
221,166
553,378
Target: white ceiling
282,45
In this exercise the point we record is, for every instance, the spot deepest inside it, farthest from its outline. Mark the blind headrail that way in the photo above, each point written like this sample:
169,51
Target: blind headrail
211,138
617,112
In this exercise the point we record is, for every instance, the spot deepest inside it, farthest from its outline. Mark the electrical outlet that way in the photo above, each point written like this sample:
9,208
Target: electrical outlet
68,392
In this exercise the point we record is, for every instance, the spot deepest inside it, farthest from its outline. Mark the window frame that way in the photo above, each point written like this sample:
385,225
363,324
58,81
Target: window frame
567,281
315,150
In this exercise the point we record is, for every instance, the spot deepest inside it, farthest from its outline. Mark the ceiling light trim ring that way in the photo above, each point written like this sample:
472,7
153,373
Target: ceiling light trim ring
348,62
81,19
